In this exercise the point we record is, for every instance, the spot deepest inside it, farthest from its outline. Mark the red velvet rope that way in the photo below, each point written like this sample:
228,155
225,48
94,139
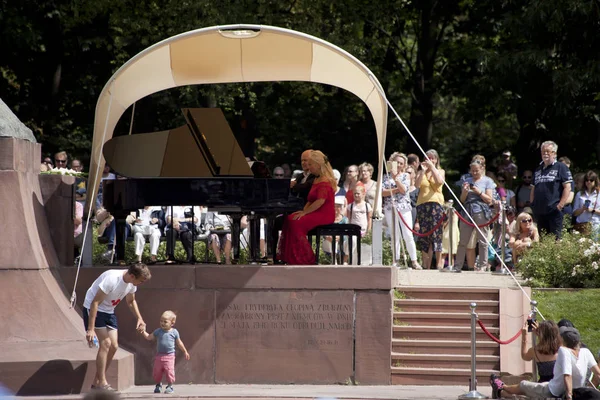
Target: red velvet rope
494,338
491,221
426,233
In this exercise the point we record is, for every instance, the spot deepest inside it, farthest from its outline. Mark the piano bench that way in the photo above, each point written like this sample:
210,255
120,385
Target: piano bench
350,230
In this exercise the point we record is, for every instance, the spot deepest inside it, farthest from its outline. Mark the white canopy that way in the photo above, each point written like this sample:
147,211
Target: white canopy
231,54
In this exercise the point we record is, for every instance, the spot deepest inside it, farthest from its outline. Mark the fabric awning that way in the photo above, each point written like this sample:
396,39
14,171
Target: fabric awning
233,54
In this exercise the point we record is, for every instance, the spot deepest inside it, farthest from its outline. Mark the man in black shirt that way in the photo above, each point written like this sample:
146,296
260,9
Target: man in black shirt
551,191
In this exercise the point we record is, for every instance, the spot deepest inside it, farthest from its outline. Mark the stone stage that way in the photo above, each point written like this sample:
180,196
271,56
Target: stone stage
264,324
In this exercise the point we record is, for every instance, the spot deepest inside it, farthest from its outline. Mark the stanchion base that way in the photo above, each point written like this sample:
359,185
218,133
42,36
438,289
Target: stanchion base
473,394
450,269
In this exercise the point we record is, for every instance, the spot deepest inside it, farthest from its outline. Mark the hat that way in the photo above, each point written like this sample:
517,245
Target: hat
570,336
506,153
341,200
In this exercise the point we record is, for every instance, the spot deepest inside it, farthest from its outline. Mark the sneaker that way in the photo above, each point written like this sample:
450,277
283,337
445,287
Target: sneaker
107,255
157,388
497,386
169,389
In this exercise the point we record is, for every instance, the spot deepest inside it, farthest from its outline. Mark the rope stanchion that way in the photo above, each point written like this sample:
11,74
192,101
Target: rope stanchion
494,338
473,393
491,221
435,228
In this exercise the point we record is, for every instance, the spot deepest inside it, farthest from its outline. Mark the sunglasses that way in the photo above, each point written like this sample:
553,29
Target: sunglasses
527,177
278,175
526,221
60,161
501,180
590,180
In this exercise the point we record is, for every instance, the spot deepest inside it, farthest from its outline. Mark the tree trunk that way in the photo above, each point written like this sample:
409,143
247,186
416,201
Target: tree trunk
421,113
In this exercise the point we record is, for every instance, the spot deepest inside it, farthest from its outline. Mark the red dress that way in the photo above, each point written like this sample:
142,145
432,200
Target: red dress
294,248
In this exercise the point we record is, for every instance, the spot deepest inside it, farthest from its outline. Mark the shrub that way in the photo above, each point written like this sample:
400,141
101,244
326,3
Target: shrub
572,262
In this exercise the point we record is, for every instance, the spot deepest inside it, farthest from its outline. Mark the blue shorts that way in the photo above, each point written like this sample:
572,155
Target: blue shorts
103,320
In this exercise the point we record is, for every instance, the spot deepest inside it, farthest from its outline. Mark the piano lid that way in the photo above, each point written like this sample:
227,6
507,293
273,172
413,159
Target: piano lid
204,147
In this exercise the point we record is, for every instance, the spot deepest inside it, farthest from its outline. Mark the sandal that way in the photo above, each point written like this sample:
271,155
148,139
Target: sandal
106,387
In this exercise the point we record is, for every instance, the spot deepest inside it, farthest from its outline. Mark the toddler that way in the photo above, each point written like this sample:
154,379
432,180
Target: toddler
164,361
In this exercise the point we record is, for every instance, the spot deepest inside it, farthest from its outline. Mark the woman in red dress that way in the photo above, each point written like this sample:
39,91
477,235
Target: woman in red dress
294,248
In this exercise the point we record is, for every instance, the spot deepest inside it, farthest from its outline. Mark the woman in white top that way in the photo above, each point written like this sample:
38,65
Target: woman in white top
586,207
396,198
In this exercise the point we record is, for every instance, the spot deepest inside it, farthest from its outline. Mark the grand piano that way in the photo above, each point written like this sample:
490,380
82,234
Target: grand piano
199,163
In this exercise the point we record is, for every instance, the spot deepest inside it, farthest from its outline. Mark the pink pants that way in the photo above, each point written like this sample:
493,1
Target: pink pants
164,363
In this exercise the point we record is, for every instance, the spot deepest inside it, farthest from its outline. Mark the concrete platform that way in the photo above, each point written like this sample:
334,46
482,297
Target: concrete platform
273,392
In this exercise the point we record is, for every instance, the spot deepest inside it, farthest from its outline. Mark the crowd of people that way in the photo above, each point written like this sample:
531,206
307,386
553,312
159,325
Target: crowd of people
415,210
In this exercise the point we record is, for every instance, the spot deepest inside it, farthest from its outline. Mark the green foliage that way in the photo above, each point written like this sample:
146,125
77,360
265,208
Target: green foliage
571,263
467,76
579,306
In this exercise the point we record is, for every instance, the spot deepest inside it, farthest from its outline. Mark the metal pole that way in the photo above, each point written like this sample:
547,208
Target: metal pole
473,393
394,238
533,316
503,269
450,233
503,233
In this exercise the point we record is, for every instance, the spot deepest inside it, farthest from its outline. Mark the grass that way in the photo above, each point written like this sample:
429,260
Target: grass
579,306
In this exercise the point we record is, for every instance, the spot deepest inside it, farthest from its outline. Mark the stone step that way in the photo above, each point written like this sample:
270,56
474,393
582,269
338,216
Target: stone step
457,361
449,293
412,346
439,376
445,305
451,332
403,318
39,368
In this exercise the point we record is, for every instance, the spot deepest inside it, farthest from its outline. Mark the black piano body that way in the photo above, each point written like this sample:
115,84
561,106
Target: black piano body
197,164
234,196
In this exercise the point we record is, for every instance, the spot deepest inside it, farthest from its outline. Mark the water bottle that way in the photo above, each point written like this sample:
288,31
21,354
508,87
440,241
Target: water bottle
95,341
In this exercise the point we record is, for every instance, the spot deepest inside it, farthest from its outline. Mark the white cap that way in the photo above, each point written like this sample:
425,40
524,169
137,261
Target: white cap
341,200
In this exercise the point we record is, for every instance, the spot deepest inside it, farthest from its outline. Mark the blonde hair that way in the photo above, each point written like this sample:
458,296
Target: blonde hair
360,188
480,158
326,171
434,153
517,228
170,315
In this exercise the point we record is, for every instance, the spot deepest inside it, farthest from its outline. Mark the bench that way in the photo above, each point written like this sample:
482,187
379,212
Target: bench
334,230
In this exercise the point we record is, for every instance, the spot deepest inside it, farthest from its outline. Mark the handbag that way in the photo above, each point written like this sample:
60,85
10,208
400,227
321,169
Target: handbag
585,228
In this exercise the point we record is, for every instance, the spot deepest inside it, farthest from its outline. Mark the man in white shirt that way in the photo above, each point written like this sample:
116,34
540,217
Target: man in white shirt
99,317
146,226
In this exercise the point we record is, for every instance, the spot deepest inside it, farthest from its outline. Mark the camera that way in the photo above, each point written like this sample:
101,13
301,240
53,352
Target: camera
587,203
530,322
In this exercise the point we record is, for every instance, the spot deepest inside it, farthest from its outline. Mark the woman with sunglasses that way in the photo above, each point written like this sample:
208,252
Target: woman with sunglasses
523,235
586,208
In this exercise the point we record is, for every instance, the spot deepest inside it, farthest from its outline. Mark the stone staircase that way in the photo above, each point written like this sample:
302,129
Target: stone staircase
431,342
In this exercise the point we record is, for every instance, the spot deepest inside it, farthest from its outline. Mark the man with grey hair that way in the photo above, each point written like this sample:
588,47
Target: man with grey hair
278,173
551,191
